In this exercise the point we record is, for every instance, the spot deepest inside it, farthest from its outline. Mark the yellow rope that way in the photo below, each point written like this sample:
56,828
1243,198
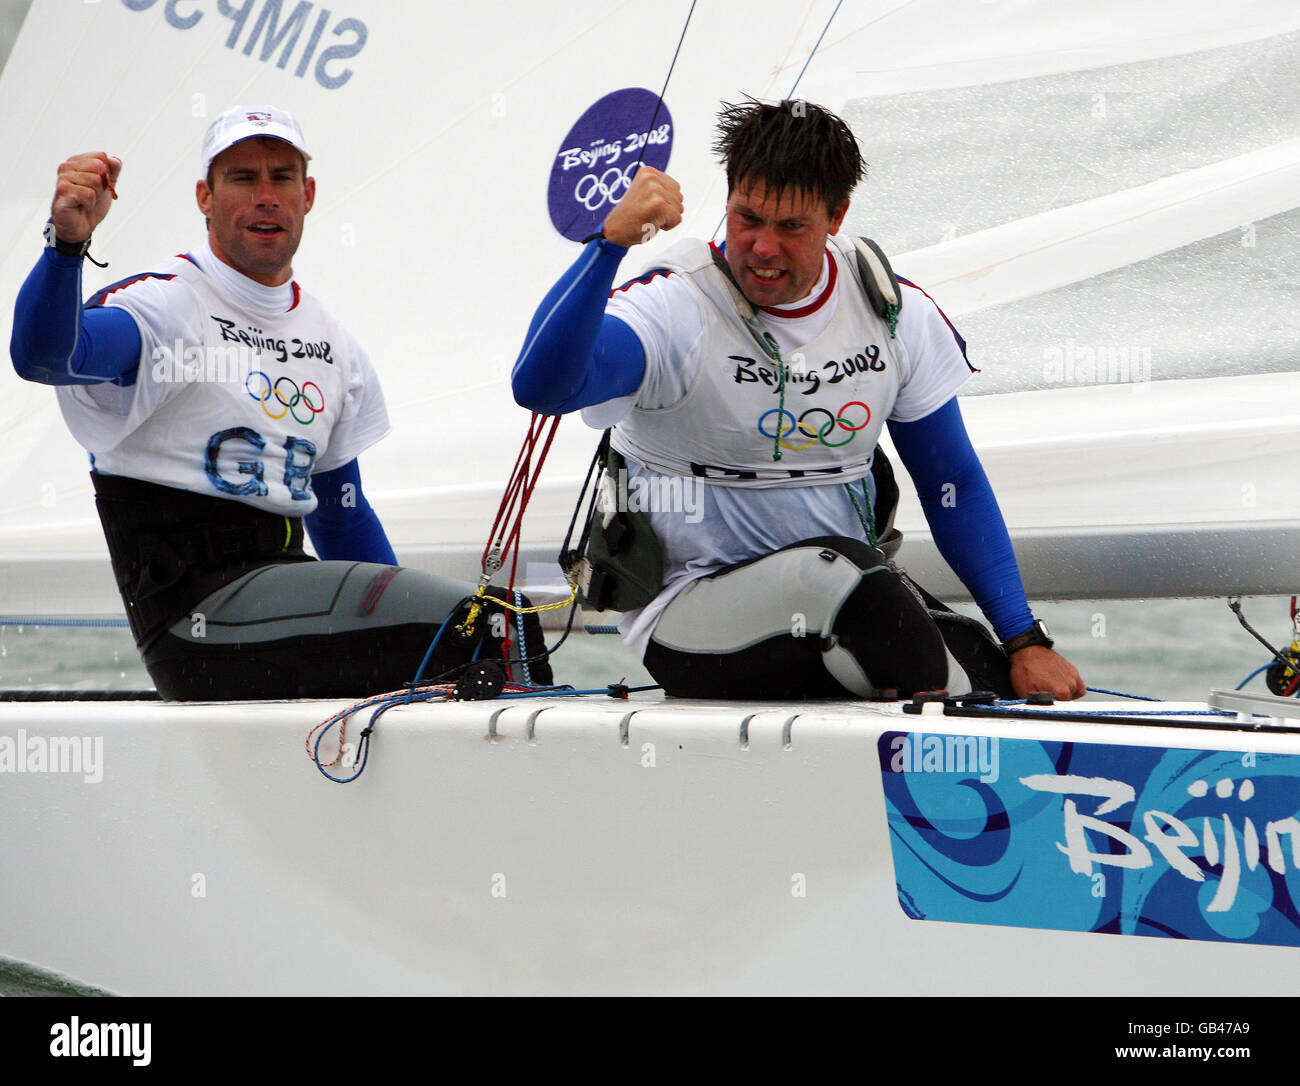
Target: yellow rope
481,597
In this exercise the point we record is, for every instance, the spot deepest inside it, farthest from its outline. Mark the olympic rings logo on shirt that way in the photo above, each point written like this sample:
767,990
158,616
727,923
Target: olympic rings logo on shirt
594,192
289,403
818,430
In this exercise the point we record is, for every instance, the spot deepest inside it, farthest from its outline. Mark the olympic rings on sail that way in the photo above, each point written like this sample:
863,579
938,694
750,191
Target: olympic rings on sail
594,192
289,402
816,429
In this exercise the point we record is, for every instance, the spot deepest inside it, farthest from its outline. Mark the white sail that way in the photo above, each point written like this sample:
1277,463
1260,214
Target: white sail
1103,200
1101,195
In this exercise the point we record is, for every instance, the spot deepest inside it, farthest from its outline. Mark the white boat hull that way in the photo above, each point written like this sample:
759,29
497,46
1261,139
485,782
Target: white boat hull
542,846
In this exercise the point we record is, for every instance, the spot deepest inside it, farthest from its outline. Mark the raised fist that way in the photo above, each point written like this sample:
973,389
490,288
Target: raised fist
86,188
653,202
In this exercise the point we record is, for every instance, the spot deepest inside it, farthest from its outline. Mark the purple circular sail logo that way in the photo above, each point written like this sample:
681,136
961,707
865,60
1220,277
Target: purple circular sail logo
598,158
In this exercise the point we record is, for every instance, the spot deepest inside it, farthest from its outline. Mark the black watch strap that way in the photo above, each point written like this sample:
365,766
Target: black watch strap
1036,634
65,248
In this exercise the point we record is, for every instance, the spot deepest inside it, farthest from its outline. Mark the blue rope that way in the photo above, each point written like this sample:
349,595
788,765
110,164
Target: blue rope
1119,694
1257,670
1012,705
434,644
523,641
381,703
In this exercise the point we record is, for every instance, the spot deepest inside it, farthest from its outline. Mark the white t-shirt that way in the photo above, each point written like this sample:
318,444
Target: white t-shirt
242,391
721,525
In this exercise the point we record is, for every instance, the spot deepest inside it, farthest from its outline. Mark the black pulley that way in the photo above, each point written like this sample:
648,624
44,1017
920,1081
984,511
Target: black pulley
481,680
1279,679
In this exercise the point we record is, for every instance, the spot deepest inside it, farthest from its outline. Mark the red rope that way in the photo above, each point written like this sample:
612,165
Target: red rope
518,474
507,525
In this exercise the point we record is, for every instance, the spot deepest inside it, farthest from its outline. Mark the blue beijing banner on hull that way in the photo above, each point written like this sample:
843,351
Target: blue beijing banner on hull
1185,844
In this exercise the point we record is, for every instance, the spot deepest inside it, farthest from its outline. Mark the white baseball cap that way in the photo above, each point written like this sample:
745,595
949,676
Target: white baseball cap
243,122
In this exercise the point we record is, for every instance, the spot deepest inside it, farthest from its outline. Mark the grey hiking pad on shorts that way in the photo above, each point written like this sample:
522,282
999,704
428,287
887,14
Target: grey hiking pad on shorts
304,599
793,588
798,589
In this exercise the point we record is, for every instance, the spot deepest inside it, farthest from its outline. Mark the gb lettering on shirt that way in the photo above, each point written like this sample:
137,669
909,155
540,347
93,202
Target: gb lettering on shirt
276,421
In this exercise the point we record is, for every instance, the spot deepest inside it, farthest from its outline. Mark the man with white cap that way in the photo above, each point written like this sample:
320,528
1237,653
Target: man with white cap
223,409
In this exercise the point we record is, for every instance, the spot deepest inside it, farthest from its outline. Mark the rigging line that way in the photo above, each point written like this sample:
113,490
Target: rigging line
505,510
815,47
1234,605
793,87
525,477
664,89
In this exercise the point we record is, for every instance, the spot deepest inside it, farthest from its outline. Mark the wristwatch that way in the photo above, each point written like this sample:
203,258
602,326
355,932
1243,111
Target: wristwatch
1037,634
66,248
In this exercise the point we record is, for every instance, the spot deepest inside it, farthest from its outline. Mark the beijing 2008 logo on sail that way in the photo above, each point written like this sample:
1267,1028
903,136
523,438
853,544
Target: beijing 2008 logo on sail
598,158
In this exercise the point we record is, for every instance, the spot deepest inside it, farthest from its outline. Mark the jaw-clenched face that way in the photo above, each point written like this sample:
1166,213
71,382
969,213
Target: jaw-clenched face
255,207
775,248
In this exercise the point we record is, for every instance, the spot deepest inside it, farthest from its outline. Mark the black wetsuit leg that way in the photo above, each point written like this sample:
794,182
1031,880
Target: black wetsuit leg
329,629
825,617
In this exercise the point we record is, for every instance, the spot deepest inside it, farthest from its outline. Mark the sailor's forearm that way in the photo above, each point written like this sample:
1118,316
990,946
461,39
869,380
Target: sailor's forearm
964,516
574,355
55,342
344,525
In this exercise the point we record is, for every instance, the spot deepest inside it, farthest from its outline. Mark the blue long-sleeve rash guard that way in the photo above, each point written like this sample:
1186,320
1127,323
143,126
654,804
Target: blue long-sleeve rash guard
575,356
343,524
963,514
56,341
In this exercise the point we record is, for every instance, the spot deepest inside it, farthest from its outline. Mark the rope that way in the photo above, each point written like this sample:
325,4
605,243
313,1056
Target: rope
1234,605
507,525
504,533
664,89
865,513
780,385
794,86
519,626
381,703
1247,679
815,47
1016,705
1118,693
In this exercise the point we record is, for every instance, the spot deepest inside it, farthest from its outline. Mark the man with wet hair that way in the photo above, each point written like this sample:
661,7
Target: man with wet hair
765,369
224,409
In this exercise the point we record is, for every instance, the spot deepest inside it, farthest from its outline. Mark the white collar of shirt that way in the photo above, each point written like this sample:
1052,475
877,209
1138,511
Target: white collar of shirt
248,292
793,332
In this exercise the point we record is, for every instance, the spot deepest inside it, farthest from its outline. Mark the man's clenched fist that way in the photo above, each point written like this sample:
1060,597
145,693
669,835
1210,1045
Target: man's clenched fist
86,187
